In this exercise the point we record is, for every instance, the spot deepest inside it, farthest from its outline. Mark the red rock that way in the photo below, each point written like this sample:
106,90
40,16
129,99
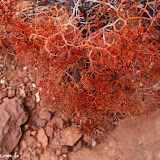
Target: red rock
12,116
3,86
26,134
22,73
33,153
3,94
87,139
79,145
30,141
42,138
58,122
58,152
5,99
11,93
40,122
29,104
33,98
39,145
26,155
25,79
22,93
70,135
32,77
45,114
23,144
39,150
64,117
49,131
65,149
33,133
1,101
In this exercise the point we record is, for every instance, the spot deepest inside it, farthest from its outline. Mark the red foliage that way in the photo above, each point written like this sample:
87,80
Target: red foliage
7,11
97,70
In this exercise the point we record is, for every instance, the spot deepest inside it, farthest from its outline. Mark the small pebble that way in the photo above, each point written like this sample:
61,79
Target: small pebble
26,126
5,99
40,122
2,81
42,138
79,145
64,155
3,94
25,68
33,85
33,98
33,133
40,89
22,85
25,79
13,67
58,152
21,73
22,93
39,150
115,123
11,93
39,145
94,143
65,149
31,76
3,86
37,97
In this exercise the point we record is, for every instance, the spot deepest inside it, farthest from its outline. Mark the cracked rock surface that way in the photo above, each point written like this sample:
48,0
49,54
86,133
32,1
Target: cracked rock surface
12,116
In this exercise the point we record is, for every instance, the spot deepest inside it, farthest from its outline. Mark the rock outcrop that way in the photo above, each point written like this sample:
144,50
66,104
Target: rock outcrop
12,116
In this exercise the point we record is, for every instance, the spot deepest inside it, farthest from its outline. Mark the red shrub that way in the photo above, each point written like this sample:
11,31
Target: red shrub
7,11
96,68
